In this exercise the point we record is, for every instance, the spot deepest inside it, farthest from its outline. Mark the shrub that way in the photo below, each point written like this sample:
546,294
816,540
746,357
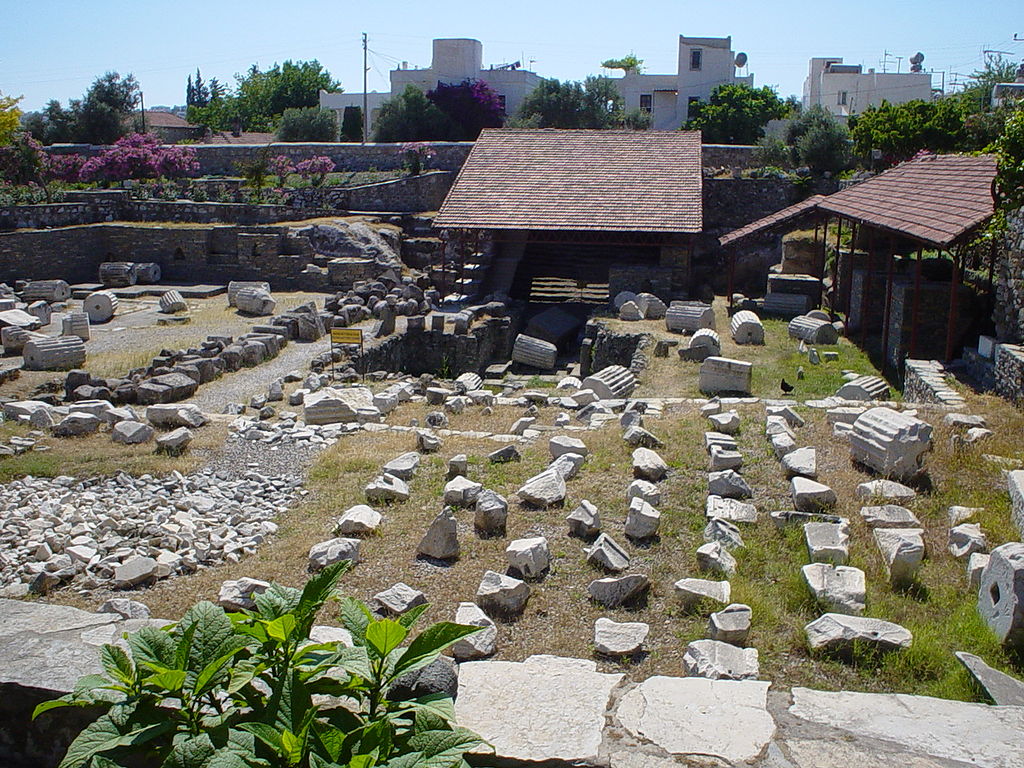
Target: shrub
281,167
140,156
411,117
772,151
352,124
315,169
245,689
308,124
819,141
416,153
67,168
22,161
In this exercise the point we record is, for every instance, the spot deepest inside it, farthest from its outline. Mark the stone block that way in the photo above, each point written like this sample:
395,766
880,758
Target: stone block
1001,595
746,328
722,374
535,353
891,443
100,306
60,353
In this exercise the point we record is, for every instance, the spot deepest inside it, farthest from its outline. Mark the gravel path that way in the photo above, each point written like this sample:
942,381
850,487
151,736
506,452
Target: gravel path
240,386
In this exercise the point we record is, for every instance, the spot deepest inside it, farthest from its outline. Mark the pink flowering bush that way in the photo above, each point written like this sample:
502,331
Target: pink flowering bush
281,167
315,169
67,168
140,156
416,154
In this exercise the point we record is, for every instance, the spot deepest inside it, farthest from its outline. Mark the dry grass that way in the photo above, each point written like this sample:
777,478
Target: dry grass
98,455
559,618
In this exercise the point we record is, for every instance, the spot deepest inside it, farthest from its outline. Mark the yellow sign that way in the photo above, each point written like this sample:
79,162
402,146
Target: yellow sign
346,335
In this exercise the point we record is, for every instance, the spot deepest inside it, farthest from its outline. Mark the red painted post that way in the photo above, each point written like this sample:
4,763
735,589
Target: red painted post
954,296
916,304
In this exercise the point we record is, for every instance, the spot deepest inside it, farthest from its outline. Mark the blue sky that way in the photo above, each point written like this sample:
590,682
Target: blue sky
55,49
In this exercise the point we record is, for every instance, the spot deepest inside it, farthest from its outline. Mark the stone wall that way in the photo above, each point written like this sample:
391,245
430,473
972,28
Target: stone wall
924,381
1010,372
616,348
224,159
932,319
105,210
1009,310
727,155
412,194
441,353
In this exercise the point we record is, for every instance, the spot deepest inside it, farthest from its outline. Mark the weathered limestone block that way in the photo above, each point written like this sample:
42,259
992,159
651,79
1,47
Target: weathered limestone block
746,328
687,317
168,388
529,556
839,588
46,290
332,551
714,557
733,510
813,330
613,638
20,319
118,274
75,324
828,542
543,490
612,382
1001,596
535,353
704,343
720,661
360,520
810,495
1015,485
722,374
651,306
886,489
237,285
502,595
889,442
692,592
61,353
614,591
482,644
630,311
731,624
41,311
836,632
889,516
642,520
255,301
607,554
864,388
100,306
902,552
172,302
14,338
148,272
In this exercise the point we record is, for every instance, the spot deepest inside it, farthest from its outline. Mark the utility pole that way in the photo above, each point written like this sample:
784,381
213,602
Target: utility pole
142,111
366,112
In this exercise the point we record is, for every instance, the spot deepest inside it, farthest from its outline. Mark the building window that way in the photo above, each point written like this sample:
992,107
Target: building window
646,102
696,54
842,98
501,102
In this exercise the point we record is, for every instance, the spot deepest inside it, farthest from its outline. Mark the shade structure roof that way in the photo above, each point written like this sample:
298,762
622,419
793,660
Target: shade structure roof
621,181
936,199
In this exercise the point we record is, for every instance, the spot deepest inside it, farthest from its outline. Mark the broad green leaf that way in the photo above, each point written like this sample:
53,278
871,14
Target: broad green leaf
376,737
408,760
355,661
444,748
290,703
116,663
276,601
103,735
430,642
330,738
216,670
356,617
212,629
169,680
64,701
190,751
226,758
291,747
152,646
268,734
184,646
90,683
362,761
409,618
429,720
281,628
439,704
99,761
319,589
384,636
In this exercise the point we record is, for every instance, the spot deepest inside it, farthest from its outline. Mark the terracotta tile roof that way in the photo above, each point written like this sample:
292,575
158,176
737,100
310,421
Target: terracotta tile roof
771,220
936,199
632,181
160,119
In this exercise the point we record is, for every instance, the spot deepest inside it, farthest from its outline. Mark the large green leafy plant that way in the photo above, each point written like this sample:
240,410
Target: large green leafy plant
239,690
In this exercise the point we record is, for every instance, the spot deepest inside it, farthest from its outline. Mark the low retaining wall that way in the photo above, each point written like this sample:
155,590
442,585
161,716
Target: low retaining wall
440,353
412,194
615,348
1010,372
924,381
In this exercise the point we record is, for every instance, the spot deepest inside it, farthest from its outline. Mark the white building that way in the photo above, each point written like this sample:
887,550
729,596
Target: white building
454,60
846,89
704,64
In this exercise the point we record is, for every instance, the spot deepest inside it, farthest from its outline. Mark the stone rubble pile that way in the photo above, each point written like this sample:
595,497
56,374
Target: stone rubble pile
122,532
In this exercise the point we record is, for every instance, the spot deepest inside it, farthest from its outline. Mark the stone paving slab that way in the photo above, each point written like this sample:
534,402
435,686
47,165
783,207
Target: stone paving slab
975,734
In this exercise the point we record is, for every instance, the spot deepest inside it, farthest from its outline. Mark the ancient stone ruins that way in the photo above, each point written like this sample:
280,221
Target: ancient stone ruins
700,522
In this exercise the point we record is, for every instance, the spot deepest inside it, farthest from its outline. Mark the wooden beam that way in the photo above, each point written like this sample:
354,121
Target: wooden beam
916,304
954,296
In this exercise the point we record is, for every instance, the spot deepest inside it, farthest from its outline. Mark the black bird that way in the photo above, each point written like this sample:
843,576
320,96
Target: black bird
786,386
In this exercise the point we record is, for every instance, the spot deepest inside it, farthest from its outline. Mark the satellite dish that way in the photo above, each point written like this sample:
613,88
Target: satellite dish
741,59
917,58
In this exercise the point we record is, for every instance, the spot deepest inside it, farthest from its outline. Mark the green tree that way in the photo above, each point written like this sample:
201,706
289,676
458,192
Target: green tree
594,103
1010,152
996,69
735,114
410,116
628,63
352,124
10,117
902,130
308,124
819,141
772,152
101,116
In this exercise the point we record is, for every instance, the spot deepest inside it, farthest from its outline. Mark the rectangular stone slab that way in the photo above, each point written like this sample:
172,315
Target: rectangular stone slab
546,709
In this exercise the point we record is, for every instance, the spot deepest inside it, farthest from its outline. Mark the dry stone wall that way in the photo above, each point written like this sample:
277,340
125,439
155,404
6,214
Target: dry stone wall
1009,310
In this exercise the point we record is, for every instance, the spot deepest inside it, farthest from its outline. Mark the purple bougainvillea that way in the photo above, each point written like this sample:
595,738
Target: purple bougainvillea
140,156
